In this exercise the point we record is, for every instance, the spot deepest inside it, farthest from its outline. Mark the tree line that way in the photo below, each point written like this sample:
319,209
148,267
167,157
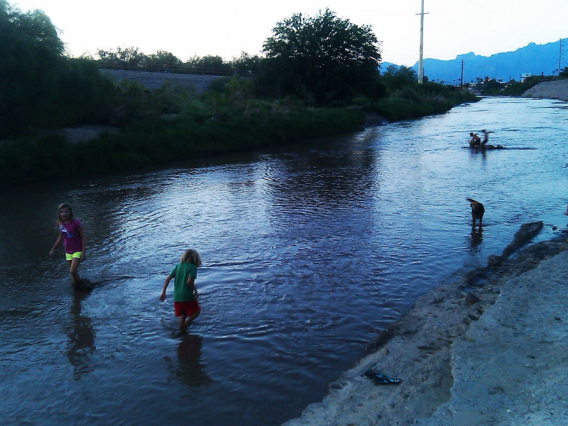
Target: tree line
322,58
130,58
319,61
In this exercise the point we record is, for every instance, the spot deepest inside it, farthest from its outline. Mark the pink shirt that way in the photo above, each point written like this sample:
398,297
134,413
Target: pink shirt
71,238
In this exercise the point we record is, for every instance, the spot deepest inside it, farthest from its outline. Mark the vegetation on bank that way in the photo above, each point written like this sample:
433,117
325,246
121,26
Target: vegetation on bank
516,88
200,127
406,99
296,92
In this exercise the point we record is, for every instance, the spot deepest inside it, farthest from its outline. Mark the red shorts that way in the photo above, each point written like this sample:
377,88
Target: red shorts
186,308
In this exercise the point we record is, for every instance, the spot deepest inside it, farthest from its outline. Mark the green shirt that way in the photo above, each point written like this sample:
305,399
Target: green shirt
181,273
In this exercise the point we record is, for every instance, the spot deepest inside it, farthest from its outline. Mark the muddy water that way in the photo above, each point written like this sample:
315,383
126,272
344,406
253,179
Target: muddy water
307,251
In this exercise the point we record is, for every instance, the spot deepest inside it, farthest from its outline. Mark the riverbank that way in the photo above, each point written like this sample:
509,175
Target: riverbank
155,133
549,90
487,348
195,132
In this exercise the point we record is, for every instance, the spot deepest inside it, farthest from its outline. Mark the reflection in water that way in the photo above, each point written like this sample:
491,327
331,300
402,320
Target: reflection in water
81,338
476,237
478,153
190,370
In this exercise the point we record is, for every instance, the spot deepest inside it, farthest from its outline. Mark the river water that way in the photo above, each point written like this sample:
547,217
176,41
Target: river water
308,250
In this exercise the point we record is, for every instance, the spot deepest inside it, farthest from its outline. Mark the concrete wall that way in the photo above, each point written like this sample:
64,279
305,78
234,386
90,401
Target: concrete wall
549,89
153,80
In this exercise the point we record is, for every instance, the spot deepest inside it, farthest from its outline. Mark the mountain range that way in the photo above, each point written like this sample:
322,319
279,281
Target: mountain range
535,59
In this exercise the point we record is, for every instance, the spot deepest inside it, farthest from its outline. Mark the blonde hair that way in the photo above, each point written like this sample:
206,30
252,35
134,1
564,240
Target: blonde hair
61,207
191,256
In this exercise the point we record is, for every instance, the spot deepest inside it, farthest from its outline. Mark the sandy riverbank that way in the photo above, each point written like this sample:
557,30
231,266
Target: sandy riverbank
550,90
487,348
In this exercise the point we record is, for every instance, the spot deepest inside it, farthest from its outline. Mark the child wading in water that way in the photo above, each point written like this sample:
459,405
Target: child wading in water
185,293
71,233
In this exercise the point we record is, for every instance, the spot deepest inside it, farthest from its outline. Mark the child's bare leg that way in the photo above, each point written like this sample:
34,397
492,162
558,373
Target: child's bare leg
182,318
190,319
74,270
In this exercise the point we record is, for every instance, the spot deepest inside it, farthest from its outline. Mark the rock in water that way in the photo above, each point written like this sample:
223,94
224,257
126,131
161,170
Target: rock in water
522,236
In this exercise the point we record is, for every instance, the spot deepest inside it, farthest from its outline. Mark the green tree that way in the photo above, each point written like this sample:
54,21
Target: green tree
163,61
209,64
246,64
323,57
40,87
129,58
395,78
30,54
83,95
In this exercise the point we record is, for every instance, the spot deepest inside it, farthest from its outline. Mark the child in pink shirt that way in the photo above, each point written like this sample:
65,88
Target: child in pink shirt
71,233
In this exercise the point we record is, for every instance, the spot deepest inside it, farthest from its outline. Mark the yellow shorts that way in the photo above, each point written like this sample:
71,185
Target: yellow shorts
71,256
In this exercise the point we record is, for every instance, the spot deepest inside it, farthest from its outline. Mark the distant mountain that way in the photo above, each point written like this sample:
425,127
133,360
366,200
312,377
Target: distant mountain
535,59
385,65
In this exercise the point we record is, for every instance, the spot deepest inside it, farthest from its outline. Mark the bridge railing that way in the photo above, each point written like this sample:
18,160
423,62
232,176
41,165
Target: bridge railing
175,69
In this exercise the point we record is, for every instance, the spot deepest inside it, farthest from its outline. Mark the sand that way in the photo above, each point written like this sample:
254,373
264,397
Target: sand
488,348
549,89
85,133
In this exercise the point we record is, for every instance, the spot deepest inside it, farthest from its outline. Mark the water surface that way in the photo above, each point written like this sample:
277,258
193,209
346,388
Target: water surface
307,251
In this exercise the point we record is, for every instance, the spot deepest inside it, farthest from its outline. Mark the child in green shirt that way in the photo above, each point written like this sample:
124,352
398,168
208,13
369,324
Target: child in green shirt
185,293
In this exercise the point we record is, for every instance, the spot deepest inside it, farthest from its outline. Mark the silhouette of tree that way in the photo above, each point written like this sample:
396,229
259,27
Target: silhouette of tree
396,78
30,52
322,57
40,87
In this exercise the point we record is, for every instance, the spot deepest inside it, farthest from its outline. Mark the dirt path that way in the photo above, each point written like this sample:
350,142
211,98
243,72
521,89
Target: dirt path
85,133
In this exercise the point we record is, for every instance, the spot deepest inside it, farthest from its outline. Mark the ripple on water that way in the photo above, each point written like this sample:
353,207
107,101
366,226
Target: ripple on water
307,251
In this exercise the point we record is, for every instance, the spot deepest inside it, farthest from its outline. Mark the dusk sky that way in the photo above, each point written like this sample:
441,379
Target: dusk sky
226,28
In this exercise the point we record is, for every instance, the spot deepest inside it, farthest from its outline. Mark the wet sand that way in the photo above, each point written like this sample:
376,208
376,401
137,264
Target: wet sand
487,348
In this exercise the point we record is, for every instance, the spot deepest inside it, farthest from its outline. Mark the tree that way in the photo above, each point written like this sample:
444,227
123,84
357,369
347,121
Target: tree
246,64
163,61
209,64
395,78
40,87
324,57
124,58
30,55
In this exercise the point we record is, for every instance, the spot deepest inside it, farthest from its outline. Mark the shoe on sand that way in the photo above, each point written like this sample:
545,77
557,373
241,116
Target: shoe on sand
380,379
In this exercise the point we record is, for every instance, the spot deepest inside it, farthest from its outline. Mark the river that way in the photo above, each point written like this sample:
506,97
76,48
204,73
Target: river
308,250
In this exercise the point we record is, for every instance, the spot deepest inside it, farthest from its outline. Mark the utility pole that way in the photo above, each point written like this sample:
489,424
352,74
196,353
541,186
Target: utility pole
420,69
461,79
559,55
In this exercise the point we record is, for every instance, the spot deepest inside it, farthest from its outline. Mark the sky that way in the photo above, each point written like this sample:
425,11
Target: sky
226,28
